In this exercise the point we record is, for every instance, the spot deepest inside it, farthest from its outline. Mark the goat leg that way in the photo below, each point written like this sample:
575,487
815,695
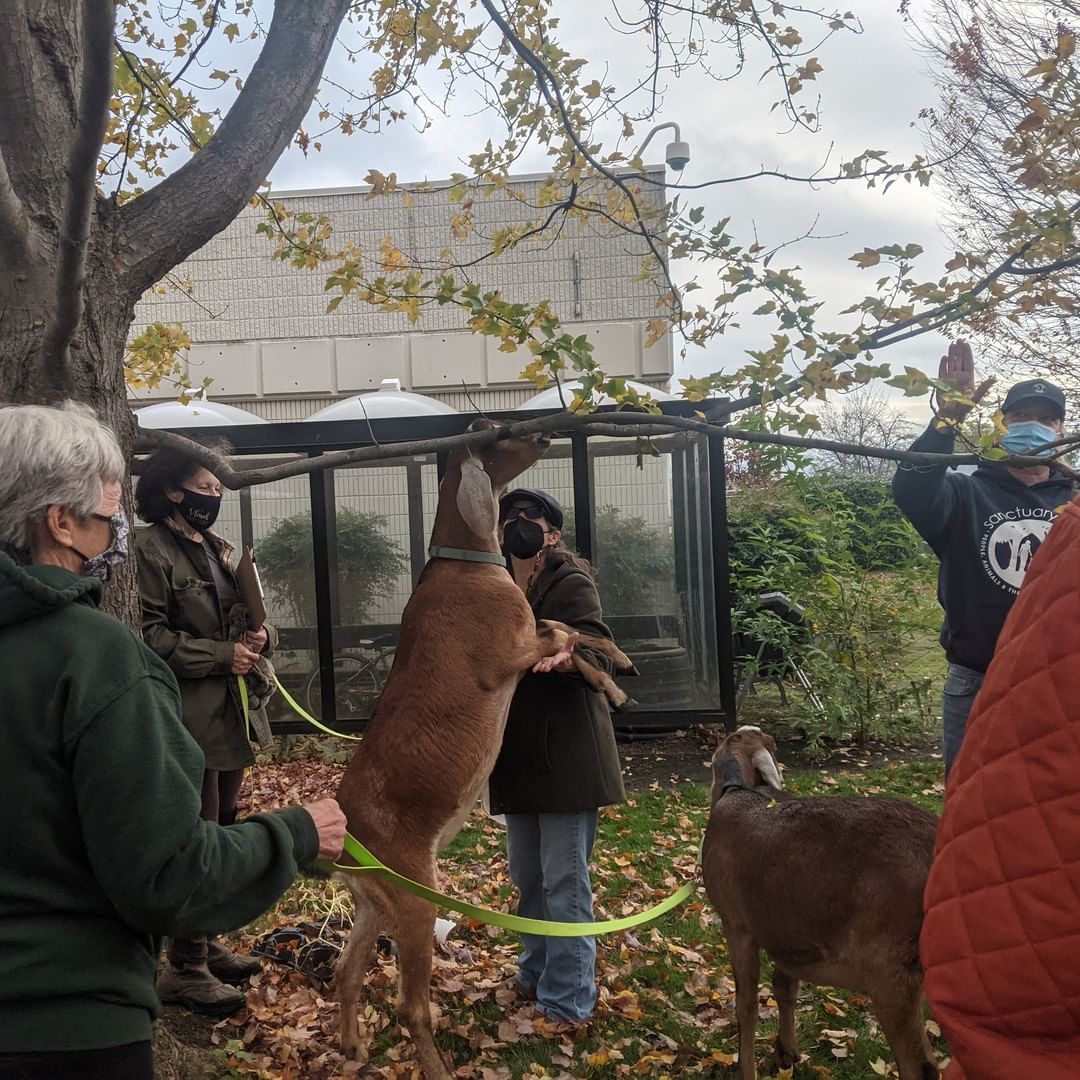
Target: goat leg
746,968
601,681
898,1007
786,991
415,921
350,970
623,663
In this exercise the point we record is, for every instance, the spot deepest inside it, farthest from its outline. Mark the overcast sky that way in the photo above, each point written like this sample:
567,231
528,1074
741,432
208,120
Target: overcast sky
872,88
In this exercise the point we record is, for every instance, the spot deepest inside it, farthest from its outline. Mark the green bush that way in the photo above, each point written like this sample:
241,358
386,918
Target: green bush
858,569
635,560
881,538
368,563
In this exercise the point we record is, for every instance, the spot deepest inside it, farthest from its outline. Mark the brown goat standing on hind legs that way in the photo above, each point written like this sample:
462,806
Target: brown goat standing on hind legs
467,637
830,887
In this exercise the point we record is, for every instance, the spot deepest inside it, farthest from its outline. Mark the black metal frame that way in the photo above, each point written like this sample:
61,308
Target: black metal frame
315,438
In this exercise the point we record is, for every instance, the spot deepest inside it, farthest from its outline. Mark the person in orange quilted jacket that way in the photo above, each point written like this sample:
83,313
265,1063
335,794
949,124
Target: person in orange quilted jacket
1001,939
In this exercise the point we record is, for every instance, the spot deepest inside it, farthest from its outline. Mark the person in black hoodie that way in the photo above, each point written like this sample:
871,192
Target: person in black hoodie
984,527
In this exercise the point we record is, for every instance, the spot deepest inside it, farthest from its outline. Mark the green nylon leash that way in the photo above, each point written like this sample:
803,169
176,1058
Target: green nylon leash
244,705
368,863
293,704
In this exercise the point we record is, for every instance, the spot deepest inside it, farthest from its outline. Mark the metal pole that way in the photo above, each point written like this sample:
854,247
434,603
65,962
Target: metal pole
584,496
414,486
324,624
247,527
721,578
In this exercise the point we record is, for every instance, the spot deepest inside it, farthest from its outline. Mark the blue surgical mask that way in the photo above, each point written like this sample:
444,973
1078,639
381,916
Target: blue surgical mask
100,566
1026,436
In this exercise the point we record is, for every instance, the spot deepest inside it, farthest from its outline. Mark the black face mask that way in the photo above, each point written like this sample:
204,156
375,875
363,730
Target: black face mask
523,538
198,510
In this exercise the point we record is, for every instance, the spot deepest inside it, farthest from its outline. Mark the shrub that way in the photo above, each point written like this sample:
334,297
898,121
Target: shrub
368,563
827,547
635,560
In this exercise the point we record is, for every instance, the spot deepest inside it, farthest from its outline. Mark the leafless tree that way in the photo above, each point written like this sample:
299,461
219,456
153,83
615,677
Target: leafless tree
984,56
864,417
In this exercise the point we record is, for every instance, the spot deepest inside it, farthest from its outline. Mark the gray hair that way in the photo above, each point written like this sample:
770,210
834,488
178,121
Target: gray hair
60,456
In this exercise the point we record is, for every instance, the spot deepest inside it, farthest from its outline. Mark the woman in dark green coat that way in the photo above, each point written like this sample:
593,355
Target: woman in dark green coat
193,619
558,764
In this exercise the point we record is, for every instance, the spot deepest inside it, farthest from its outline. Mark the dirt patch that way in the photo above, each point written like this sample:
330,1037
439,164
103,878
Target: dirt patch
189,1027
181,1045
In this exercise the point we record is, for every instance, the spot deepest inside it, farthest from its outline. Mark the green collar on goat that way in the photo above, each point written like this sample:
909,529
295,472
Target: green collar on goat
466,555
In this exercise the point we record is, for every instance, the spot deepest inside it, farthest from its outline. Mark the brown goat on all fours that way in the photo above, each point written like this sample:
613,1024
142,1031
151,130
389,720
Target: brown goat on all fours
467,637
830,887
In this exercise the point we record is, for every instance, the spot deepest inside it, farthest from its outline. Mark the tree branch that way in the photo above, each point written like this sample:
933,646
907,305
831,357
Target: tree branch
179,215
95,89
14,224
916,326
619,424
552,92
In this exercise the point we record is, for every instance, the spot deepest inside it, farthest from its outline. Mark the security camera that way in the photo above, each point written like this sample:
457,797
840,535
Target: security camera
677,155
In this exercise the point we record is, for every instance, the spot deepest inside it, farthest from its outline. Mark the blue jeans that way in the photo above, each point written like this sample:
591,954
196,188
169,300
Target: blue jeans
549,863
961,686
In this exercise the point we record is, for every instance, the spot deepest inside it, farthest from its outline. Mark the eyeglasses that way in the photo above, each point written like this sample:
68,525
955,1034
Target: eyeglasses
533,513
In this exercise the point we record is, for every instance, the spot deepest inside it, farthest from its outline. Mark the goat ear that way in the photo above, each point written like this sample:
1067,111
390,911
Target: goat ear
475,499
765,764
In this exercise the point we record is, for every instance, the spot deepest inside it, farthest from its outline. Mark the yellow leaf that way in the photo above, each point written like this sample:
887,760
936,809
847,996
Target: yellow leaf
880,1067
866,258
232,31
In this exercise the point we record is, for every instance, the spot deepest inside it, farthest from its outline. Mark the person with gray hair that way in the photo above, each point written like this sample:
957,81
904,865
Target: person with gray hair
104,849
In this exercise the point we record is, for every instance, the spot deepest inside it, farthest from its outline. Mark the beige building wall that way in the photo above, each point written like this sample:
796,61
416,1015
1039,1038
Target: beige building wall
260,330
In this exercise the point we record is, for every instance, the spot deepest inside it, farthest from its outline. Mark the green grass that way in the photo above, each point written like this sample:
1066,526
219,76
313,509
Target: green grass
667,999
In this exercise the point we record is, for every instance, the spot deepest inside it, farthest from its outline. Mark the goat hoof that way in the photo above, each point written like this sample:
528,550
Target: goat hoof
353,1047
786,1058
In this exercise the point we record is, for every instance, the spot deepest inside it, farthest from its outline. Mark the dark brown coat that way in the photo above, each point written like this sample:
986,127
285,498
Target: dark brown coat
558,753
184,624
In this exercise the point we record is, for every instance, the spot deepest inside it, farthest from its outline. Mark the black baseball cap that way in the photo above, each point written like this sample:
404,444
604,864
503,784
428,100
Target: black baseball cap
552,510
1035,390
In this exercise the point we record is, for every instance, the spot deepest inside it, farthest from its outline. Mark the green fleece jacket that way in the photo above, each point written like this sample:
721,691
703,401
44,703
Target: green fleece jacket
102,851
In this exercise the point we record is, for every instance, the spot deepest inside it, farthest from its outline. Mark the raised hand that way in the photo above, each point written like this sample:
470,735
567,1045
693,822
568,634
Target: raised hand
957,368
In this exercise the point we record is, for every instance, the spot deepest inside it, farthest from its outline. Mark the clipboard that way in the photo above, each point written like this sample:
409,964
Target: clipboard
250,588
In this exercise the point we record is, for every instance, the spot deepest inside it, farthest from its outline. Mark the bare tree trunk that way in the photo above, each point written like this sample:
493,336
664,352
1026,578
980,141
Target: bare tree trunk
97,374
72,263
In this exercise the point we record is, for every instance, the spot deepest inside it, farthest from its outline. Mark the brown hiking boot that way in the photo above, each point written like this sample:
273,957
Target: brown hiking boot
186,980
227,965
